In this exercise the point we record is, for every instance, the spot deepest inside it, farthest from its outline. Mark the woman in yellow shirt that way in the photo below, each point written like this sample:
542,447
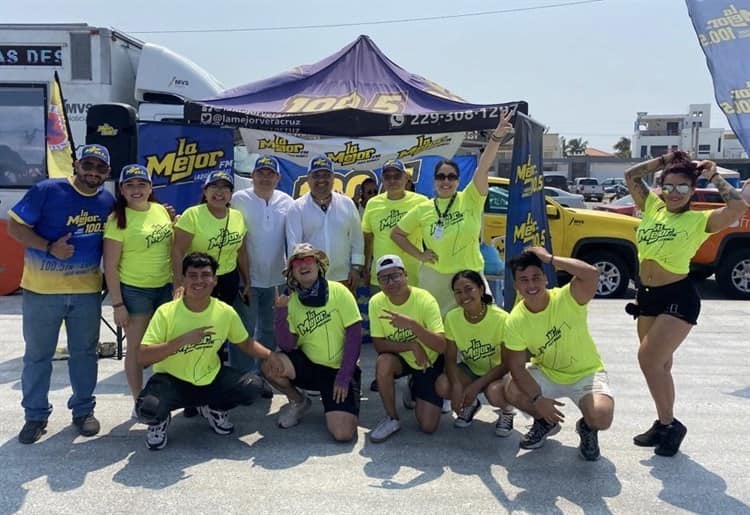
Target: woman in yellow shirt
137,246
667,301
475,329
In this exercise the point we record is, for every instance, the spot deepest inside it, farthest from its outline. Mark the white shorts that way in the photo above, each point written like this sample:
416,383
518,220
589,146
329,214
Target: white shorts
592,383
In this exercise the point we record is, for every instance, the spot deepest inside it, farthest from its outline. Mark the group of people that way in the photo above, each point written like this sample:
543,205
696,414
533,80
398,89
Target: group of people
252,288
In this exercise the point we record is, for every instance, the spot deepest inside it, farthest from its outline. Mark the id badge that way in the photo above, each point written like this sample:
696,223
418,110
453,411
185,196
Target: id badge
437,231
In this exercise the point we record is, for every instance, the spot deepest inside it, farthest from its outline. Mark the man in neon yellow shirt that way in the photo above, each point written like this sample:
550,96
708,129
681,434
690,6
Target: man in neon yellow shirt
407,333
551,326
181,341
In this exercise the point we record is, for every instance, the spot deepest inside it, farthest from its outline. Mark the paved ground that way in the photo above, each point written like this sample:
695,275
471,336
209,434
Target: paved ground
264,469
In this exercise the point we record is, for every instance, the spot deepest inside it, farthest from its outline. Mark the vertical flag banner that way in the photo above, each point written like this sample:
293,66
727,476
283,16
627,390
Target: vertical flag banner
723,29
60,148
526,225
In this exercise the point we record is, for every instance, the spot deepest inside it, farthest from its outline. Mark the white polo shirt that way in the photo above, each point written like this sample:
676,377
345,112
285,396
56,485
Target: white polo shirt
337,232
265,234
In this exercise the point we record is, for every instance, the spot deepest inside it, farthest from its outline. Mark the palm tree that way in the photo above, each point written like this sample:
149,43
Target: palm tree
622,147
575,147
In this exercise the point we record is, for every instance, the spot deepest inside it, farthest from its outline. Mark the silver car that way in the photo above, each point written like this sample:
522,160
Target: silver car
564,198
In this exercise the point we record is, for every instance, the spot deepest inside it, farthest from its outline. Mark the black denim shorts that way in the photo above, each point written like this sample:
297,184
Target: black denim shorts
679,299
312,376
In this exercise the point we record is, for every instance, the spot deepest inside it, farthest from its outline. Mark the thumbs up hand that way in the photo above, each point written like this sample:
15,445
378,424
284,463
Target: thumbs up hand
61,249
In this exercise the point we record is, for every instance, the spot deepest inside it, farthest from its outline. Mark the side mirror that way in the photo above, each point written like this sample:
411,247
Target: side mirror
552,211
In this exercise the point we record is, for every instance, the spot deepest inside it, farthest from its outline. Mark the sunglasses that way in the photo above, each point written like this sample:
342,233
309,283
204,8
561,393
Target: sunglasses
682,189
391,176
387,278
442,177
91,165
297,262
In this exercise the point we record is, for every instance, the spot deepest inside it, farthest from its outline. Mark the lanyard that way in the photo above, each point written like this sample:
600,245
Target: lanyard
441,216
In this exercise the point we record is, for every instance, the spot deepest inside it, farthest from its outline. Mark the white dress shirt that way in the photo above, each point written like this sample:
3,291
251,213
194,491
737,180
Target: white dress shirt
337,232
265,234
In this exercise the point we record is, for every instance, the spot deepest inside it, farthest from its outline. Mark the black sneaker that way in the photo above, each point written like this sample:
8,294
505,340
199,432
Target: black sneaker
589,447
670,438
87,425
32,431
538,434
651,437
190,412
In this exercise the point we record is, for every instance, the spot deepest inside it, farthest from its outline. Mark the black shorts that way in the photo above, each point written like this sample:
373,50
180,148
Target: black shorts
422,382
679,299
319,378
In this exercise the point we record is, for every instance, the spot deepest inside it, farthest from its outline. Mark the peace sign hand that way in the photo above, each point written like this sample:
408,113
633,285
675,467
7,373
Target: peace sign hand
398,320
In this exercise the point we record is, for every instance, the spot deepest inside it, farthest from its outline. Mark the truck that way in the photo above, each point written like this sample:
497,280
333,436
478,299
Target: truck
590,188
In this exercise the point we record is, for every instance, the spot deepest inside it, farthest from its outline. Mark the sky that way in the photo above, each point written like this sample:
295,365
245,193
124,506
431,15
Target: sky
585,69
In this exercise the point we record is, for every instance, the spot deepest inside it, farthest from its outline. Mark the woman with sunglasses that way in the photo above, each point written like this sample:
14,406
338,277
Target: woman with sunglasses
137,246
475,329
451,223
319,331
667,302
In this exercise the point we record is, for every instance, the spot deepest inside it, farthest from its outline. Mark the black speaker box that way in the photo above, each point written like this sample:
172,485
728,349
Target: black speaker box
116,127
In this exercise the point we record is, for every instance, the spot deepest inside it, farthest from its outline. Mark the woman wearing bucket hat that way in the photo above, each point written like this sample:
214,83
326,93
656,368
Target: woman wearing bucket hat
137,247
318,328
218,230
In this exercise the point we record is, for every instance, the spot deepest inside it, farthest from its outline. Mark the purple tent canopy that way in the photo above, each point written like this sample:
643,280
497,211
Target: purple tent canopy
355,92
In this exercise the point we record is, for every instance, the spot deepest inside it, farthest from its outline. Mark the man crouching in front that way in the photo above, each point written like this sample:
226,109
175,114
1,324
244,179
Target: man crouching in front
182,341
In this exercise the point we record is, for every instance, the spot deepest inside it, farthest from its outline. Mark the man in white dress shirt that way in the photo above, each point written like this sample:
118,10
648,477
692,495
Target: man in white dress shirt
330,222
265,209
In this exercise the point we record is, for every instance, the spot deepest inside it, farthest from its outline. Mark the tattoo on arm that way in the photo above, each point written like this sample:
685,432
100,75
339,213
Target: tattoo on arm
638,171
727,192
640,189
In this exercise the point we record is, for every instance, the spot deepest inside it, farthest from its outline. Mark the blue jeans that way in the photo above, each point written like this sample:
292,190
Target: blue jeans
258,320
42,317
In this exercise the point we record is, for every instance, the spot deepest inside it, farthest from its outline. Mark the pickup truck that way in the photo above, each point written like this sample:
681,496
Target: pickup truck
590,188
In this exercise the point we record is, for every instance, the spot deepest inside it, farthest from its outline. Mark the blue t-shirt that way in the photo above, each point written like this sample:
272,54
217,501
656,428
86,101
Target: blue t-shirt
54,208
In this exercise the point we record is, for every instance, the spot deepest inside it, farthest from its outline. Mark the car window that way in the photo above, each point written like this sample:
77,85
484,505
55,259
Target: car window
497,201
589,182
551,193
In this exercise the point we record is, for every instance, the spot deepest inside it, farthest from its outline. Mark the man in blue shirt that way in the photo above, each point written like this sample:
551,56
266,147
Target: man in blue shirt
61,224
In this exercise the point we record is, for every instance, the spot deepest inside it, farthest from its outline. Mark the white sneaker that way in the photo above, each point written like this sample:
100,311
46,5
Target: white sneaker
291,414
156,436
446,406
504,424
466,417
218,420
406,396
384,430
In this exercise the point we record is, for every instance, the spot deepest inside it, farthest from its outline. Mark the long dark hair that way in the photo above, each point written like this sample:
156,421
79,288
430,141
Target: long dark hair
449,162
121,203
681,164
474,277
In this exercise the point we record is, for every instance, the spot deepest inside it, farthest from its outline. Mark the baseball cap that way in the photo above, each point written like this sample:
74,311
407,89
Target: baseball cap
98,151
387,262
266,163
320,163
396,164
217,176
134,172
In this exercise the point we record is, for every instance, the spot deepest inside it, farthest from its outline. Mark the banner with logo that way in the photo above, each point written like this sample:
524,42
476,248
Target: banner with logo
527,214
180,157
723,29
60,149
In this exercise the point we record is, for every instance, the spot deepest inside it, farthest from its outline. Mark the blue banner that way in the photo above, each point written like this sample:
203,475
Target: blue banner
294,177
179,157
527,214
723,29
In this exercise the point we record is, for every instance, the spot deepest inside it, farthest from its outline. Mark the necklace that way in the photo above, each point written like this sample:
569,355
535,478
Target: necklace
478,317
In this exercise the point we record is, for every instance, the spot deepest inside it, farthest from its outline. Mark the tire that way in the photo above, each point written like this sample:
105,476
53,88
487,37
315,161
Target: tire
614,277
733,274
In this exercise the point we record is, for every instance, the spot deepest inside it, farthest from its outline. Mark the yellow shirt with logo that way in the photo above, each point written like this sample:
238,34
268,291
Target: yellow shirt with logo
558,337
670,239
480,344
212,235
199,363
146,246
421,306
380,217
320,331
457,247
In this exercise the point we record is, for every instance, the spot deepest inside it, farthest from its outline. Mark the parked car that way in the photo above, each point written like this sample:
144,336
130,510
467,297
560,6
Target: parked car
610,184
590,188
564,198
556,180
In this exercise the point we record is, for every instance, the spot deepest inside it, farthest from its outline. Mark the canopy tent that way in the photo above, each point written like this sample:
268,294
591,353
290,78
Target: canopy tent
356,92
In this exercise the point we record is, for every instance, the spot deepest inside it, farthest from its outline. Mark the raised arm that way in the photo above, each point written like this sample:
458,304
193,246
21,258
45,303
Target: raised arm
585,276
635,174
502,133
724,216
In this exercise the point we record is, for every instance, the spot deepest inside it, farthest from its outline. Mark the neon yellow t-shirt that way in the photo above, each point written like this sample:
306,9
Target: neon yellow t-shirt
480,344
211,234
146,246
380,217
458,245
421,306
320,331
196,364
670,239
558,337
